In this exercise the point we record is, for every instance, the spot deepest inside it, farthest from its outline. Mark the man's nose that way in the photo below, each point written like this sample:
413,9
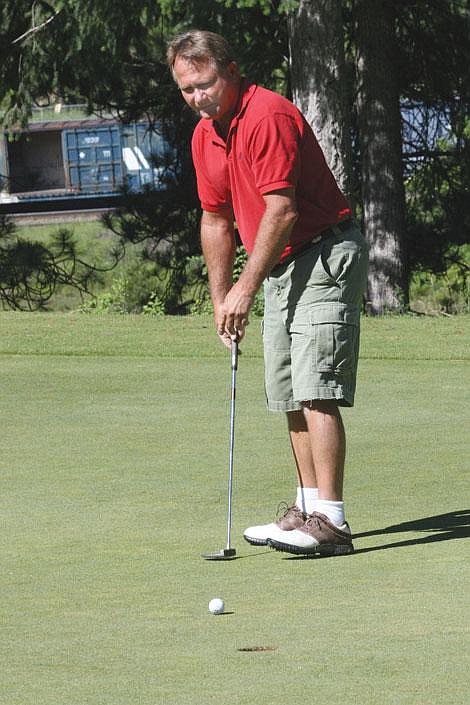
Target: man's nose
199,95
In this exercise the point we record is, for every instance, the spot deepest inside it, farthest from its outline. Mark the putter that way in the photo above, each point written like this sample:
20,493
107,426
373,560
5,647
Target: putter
227,553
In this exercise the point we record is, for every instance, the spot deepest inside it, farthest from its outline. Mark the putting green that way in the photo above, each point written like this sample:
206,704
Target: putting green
113,467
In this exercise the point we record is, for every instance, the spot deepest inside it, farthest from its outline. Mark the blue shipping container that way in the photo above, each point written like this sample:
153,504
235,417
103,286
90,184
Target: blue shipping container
93,158
84,160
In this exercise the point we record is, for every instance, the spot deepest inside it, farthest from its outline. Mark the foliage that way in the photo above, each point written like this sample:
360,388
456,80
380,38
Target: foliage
432,67
154,307
59,48
31,272
169,235
119,41
438,198
446,292
435,94
111,55
114,300
147,287
240,260
256,29
120,298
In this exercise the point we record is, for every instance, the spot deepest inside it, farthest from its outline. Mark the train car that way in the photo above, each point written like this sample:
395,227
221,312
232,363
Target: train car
66,164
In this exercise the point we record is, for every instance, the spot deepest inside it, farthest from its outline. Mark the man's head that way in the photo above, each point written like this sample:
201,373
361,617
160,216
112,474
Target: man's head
199,47
207,75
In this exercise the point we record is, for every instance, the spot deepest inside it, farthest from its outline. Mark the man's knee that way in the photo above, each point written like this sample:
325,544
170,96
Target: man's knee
323,406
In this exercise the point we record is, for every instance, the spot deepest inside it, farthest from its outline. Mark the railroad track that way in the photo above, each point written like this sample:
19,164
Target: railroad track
58,216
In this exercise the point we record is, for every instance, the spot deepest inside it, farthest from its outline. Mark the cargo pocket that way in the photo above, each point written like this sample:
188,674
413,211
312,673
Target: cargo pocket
335,332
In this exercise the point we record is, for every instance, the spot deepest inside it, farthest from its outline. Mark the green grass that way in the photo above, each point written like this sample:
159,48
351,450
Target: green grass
113,466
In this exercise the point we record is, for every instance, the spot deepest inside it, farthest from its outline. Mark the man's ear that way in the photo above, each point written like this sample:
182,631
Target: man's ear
233,69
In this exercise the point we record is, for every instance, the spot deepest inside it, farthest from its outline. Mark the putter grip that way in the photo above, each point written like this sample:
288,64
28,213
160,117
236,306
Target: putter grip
234,354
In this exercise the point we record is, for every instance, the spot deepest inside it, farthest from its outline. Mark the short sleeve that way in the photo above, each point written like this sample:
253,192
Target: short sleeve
212,175
274,152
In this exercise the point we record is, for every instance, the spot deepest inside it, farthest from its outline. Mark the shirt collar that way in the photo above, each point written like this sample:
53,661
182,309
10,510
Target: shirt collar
247,90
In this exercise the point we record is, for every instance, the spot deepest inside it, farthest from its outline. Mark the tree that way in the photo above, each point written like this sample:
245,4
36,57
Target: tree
383,195
403,58
112,56
435,101
107,54
320,87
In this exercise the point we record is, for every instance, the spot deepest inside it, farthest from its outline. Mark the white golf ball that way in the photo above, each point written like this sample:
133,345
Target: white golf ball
216,606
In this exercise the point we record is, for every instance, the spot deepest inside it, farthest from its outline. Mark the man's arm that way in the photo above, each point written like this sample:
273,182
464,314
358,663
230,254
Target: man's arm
218,247
273,234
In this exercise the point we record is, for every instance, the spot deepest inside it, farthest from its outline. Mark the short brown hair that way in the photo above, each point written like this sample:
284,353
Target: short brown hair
199,46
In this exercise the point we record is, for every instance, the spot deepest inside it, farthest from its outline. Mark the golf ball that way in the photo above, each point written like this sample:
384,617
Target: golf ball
216,606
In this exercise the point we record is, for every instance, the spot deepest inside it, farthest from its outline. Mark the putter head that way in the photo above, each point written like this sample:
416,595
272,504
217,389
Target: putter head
225,554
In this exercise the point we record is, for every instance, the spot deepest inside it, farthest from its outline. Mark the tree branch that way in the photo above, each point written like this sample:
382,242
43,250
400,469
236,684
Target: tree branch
33,30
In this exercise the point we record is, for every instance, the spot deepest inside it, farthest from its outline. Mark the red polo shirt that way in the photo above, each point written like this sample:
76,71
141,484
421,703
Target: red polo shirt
270,146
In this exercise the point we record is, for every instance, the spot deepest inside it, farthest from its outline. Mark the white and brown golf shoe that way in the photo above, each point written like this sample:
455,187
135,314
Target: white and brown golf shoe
289,519
316,536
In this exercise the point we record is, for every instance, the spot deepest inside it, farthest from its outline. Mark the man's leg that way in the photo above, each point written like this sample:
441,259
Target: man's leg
328,447
302,448
307,490
318,442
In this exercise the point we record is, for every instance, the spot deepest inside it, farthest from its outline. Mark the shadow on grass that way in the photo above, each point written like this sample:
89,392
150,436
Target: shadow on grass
443,527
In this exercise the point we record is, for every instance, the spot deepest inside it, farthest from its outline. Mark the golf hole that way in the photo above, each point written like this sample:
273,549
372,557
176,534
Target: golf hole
257,648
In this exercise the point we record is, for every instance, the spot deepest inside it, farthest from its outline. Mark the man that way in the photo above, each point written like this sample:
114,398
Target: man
259,165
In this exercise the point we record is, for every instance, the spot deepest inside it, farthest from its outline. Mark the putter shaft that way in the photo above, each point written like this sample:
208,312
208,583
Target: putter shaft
228,553
232,439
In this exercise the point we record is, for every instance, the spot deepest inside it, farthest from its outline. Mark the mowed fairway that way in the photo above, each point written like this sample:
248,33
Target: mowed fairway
113,471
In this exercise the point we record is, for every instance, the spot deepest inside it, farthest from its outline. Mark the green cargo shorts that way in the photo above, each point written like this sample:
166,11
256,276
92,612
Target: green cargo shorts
311,322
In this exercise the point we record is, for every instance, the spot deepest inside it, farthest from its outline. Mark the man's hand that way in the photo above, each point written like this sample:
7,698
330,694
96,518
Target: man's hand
226,340
232,316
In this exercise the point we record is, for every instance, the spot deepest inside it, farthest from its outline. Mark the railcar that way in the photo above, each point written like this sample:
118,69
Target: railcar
70,164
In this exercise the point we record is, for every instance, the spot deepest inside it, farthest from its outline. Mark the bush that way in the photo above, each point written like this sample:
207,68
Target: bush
154,306
112,301
447,292
240,261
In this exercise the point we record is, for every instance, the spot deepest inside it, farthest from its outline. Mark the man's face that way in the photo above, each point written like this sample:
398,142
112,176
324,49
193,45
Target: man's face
211,93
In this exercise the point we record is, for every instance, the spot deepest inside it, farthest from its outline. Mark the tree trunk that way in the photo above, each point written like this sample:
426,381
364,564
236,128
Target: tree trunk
383,192
319,87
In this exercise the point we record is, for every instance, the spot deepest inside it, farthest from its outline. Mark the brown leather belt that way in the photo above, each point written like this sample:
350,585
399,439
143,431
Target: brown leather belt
342,226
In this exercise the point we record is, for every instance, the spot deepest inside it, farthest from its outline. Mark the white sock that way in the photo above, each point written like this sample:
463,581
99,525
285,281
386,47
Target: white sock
306,499
333,510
